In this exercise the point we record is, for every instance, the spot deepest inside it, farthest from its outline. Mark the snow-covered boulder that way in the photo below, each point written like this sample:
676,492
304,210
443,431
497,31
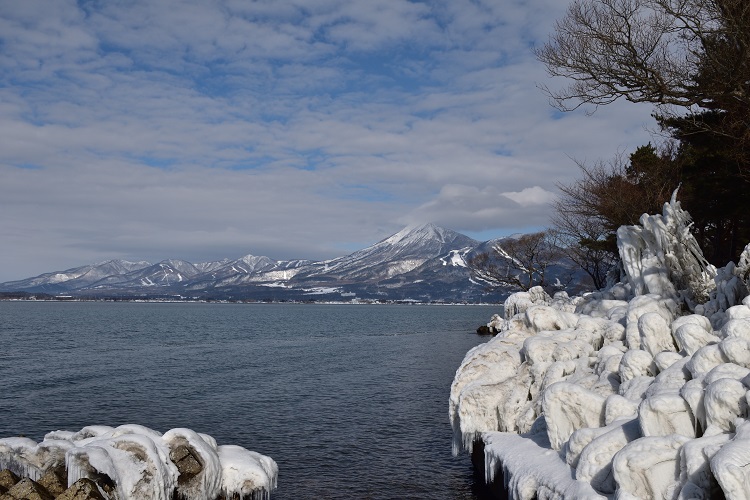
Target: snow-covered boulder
521,301
30,459
595,462
649,467
695,472
729,464
568,407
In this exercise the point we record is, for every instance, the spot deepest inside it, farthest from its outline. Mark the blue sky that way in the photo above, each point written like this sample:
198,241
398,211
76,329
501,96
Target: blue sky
205,129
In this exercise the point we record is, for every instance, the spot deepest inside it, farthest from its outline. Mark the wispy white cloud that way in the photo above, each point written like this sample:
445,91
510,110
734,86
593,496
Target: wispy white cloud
194,129
532,196
476,208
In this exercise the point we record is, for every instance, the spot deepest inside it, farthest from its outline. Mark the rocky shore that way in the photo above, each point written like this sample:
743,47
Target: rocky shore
51,485
131,462
638,391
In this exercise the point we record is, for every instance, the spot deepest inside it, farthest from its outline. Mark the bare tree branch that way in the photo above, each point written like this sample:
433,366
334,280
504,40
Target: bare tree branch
520,263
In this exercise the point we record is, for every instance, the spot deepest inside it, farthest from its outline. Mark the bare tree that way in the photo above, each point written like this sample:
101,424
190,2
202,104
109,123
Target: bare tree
520,262
609,195
643,50
617,192
689,55
585,242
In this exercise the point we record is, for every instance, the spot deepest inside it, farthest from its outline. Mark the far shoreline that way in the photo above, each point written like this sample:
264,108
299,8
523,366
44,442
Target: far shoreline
13,297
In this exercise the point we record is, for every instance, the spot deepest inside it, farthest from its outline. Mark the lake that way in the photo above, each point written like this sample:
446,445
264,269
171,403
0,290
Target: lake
350,400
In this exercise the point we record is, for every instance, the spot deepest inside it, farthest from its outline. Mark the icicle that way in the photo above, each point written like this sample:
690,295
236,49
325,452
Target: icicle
26,458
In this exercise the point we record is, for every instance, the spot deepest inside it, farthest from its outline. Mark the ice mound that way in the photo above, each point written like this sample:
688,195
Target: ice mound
639,391
135,462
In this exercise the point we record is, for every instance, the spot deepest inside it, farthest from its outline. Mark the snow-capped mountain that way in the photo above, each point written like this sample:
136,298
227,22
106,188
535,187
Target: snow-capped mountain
398,254
424,263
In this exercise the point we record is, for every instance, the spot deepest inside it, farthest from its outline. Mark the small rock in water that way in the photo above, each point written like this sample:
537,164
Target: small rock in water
486,330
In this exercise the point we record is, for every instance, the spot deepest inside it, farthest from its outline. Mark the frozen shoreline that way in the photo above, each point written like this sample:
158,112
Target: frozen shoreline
639,391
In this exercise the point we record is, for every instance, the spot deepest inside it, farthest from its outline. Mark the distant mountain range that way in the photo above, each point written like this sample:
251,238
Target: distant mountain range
424,263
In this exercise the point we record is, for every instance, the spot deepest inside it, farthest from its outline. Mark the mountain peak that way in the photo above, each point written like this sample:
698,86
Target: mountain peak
422,232
254,262
411,229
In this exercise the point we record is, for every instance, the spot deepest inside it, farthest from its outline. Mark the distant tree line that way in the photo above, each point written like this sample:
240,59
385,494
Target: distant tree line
691,60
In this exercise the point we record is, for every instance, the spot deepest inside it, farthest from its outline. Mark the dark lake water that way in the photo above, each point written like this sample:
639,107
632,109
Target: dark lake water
351,401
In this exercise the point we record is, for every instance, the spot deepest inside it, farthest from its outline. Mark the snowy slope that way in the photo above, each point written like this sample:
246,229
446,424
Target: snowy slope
398,254
75,278
247,270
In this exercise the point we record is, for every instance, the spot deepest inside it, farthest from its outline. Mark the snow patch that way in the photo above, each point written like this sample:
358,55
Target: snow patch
322,290
456,258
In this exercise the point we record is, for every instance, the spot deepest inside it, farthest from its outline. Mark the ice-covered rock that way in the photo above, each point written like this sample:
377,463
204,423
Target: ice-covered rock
736,327
724,403
695,472
530,470
661,256
196,458
595,462
730,464
649,467
636,363
665,414
29,459
493,326
245,472
655,334
132,461
617,407
135,464
736,350
568,407
638,391
473,401
706,359
691,336
521,301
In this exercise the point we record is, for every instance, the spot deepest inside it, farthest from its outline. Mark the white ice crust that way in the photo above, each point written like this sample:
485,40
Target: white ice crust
639,391
137,463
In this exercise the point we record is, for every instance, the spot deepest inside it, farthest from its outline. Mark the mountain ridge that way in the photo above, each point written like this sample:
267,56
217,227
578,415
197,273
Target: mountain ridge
424,263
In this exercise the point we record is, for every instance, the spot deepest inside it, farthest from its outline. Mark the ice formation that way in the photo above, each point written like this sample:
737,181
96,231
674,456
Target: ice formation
639,391
132,461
